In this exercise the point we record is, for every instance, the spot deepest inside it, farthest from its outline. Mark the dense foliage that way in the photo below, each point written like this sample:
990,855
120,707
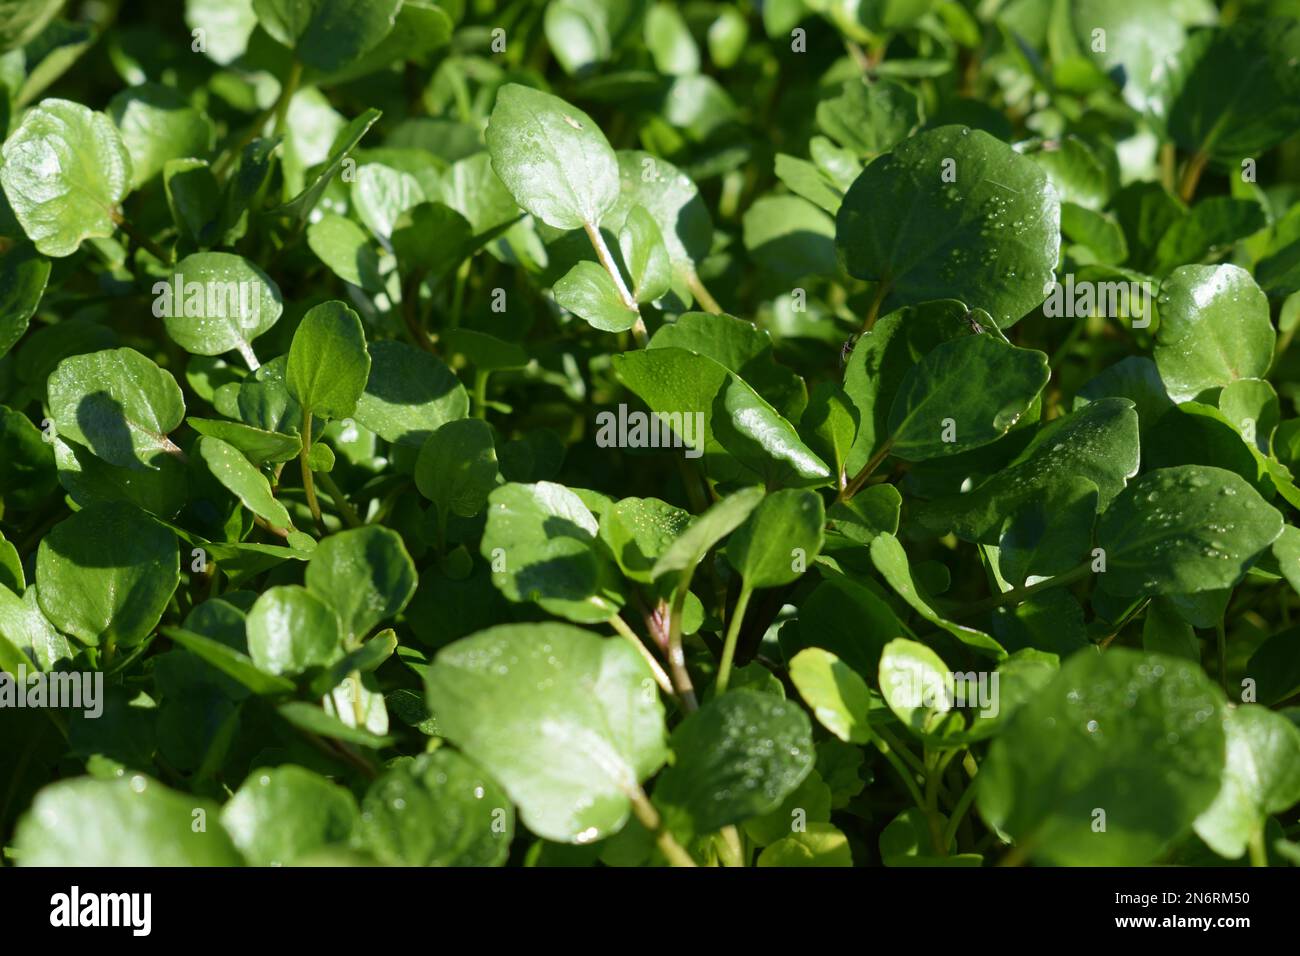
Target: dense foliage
626,432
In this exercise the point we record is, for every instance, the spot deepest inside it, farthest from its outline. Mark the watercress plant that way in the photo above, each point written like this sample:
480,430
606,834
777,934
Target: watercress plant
649,432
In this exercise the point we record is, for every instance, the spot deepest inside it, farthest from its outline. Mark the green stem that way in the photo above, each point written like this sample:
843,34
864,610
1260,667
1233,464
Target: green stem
869,469
1191,175
140,239
341,503
898,748
286,94
1021,594
661,677
480,393
676,655
607,261
304,458
702,294
458,295
732,850
645,812
958,812
1258,851
1221,637
733,634
873,311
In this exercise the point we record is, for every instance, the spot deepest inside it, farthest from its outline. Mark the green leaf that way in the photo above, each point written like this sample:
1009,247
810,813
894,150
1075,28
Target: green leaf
437,810
790,237
432,238
21,20
258,446
1137,39
65,170
820,845
953,213
890,559
457,467
779,539
118,404
1262,776
1184,530
409,394
552,157
1138,737
106,574
839,698
672,199
158,124
327,34
1213,224
243,480
23,274
870,117
1275,666
670,42
722,518
290,630
737,420
541,541
381,194
365,575
1214,329
281,814
215,302
570,724
328,362
1234,92
883,356
645,254
638,531
736,757
966,393
231,662
343,246
589,293
300,206
918,687
134,821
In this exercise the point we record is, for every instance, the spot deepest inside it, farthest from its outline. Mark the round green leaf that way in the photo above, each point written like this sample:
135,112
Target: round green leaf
1136,737
134,821
552,157
1214,329
65,171
589,293
779,539
437,810
1184,530
409,394
638,531
953,213
290,629
364,574
281,814
23,274
105,574
839,698
966,393
568,722
118,404
344,246
158,124
327,34
541,542
216,302
328,362
457,467
735,758
1262,776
